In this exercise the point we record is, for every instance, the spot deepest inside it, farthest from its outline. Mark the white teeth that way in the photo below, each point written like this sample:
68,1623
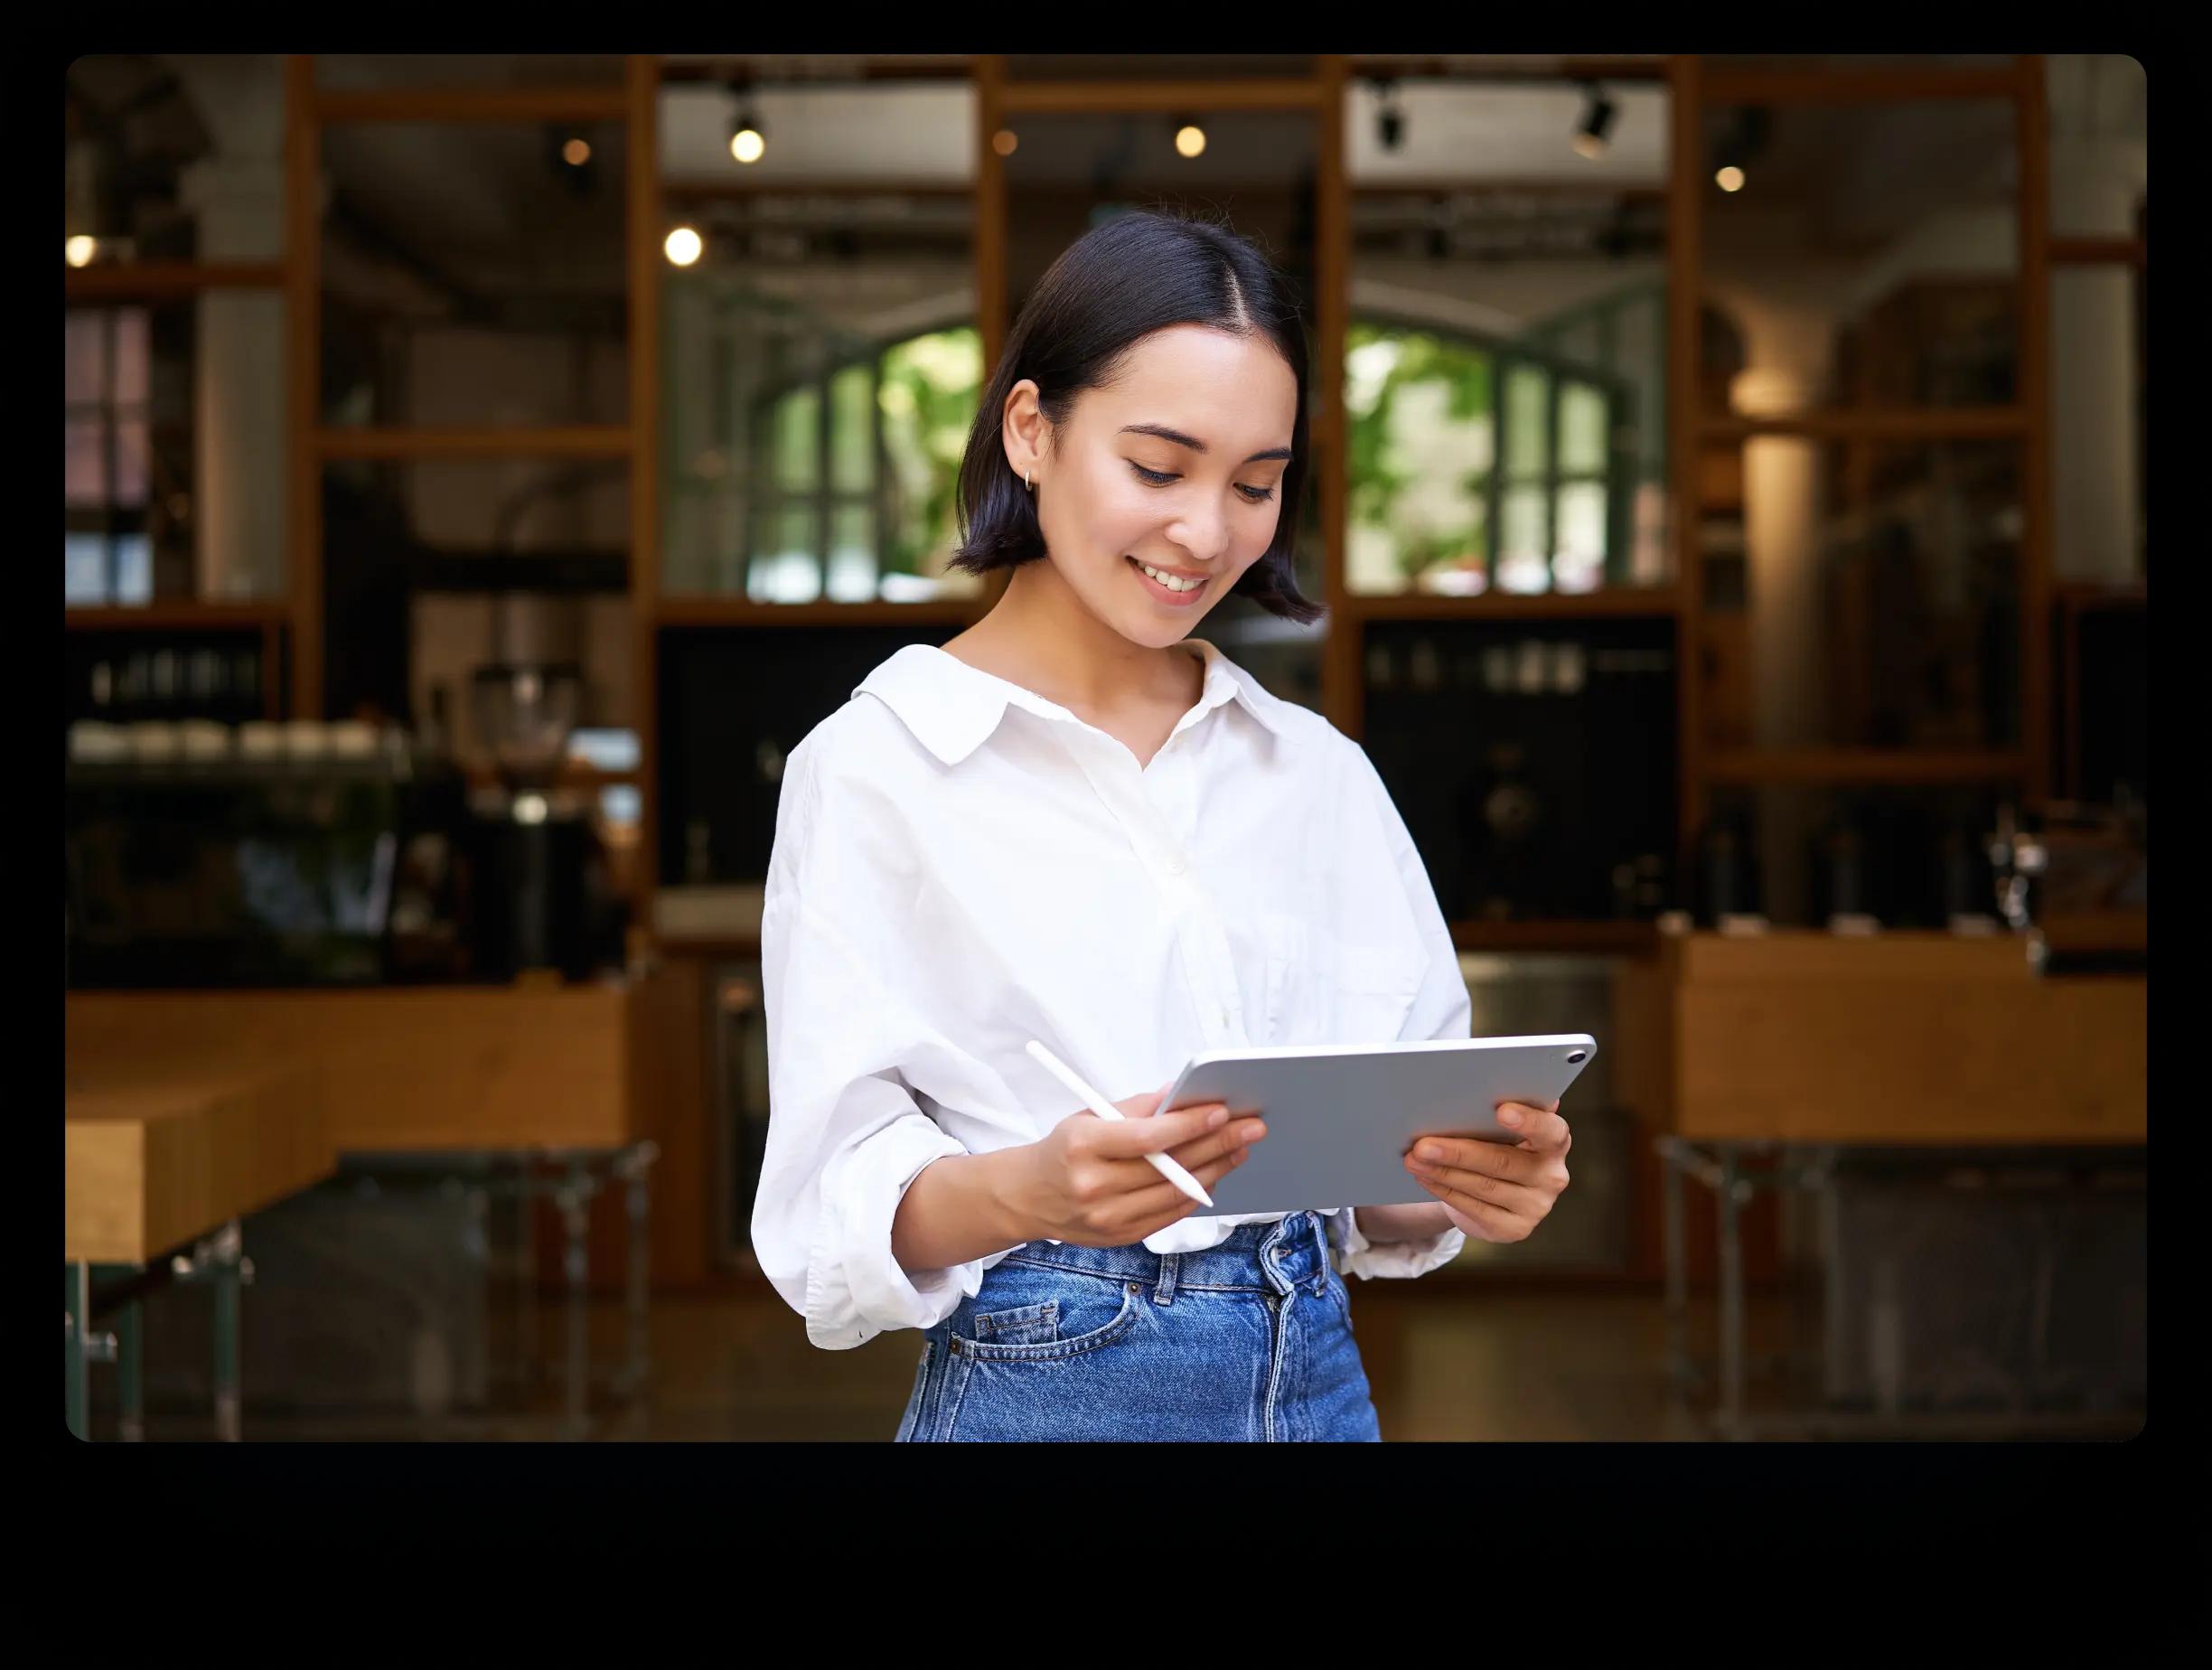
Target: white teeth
1169,580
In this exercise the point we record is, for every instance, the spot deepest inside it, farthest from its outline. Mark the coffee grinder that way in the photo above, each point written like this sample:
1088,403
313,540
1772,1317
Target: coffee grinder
540,882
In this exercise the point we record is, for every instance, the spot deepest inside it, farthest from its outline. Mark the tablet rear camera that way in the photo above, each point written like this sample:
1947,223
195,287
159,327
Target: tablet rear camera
1575,1058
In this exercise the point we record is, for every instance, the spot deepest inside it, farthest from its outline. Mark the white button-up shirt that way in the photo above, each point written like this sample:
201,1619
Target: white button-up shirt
960,866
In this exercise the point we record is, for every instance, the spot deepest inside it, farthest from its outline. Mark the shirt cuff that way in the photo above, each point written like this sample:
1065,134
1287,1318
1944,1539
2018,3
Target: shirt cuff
856,1289
1358,1256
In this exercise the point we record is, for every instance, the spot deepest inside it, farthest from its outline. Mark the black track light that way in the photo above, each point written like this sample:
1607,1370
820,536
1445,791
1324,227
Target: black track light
1592,137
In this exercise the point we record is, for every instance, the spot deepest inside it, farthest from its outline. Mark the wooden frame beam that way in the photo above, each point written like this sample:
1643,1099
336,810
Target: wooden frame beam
162,281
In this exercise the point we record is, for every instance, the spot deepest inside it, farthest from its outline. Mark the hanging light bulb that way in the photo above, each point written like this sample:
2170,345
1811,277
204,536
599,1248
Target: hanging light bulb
1190,140
748,138
682,246
1595,133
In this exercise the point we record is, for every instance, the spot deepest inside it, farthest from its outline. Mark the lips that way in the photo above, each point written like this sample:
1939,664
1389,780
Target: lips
1171,598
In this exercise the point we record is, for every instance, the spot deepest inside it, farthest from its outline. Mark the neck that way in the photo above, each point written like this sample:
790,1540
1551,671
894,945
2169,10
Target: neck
1067,654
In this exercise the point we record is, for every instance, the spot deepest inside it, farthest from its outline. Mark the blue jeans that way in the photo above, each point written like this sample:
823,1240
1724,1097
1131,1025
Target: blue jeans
1249,1341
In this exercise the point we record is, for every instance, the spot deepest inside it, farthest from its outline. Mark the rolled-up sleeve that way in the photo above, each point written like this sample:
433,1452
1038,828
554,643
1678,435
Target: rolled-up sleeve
847,1134
1441,1009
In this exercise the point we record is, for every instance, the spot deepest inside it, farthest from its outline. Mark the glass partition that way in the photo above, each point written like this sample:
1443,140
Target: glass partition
1863,255
822,363
1506,371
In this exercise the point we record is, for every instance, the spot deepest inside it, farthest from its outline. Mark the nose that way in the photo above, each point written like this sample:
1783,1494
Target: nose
1203,538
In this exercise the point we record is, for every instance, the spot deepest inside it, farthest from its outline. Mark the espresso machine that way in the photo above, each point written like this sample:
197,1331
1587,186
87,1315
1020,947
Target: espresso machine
542,896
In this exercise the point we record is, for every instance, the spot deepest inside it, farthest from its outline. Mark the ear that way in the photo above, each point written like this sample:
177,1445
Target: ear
1023,429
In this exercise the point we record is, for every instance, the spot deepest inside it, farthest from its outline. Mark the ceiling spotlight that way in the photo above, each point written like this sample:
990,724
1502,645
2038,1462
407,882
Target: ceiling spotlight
1591,138
1190,140
1004,141
1729,178
682,246
1389,121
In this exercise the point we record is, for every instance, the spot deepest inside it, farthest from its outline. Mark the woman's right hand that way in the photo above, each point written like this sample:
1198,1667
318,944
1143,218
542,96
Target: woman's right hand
1087,1181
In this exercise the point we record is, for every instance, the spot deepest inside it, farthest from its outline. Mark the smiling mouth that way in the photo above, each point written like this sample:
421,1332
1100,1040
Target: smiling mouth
1187,590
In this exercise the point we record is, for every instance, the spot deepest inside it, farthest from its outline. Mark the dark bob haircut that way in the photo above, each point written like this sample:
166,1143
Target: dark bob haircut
1141,272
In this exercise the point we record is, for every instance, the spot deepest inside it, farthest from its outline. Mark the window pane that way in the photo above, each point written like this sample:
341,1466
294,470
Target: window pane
84,463
797,439
852,429
931,385
1876,600
1526,392
130,490
2100,143
84,569
1522,557
852,554
84,376
130,351
1583,441
785,564
2098,426
134,569
510,303
1423,444
1903,216
1579,554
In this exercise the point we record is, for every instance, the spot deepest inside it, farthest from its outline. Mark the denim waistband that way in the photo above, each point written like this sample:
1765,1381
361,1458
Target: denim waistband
1263,1257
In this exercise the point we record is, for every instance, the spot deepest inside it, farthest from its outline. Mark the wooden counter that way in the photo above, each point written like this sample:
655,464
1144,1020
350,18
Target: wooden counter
1897,1039
404,1069
158,1153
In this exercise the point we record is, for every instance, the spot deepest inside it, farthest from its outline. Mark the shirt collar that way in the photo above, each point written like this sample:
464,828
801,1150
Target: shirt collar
950,707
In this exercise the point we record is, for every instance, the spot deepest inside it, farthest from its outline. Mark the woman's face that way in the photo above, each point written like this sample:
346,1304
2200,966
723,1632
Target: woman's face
1177,465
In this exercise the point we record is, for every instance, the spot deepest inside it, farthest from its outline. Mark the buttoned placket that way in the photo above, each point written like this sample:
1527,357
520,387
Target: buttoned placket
1201,939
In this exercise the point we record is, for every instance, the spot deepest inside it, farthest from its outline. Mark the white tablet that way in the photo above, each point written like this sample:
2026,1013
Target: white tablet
1341,1118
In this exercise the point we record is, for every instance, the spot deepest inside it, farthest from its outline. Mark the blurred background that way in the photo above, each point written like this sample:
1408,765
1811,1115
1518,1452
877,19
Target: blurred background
482,470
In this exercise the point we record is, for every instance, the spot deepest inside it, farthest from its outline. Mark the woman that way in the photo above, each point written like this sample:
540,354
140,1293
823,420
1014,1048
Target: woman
1075,823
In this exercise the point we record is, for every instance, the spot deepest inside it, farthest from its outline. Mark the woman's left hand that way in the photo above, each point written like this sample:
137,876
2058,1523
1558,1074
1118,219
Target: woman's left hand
1490,1191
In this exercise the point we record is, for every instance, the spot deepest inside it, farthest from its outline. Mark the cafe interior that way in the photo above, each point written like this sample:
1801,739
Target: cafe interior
483,471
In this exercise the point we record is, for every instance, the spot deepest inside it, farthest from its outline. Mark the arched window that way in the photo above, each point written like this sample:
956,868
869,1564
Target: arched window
1524,464
854,467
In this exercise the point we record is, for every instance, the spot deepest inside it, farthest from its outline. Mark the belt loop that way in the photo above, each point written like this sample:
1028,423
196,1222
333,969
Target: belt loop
1163,1292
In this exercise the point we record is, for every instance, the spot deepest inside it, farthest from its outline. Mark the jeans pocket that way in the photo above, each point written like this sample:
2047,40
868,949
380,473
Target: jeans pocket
1082,1314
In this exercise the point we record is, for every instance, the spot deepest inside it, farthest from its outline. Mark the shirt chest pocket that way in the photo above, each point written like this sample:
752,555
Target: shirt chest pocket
1321,989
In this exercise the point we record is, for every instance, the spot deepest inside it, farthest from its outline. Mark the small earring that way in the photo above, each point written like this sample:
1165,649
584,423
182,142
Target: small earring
1027,482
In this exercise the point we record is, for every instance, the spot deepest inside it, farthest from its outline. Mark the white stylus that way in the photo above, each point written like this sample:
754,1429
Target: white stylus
1104,1109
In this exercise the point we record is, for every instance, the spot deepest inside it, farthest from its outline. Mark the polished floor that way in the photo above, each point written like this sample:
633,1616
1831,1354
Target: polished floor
1468,1360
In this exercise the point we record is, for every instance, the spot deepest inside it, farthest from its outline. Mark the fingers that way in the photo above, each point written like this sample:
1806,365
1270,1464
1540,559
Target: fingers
1494,1159
1231,1139
1132,1138
1538,1127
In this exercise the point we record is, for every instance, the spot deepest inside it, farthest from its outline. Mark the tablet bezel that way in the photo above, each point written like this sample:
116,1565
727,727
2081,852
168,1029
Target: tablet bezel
1325,1156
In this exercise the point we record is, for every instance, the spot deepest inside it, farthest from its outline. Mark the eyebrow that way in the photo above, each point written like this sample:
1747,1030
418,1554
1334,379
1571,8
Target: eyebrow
1193,443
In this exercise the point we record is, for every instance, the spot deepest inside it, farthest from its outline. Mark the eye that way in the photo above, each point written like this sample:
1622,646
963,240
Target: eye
1155,478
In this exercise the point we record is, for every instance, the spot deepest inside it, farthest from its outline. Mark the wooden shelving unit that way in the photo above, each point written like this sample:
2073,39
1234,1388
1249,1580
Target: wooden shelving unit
1695,85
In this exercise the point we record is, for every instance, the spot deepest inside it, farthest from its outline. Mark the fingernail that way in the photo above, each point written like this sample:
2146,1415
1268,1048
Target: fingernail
1508,1117
1429,1151
1217,1117
1254,1132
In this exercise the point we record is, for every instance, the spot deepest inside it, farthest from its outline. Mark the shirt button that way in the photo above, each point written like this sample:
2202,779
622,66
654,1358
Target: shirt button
1177,864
